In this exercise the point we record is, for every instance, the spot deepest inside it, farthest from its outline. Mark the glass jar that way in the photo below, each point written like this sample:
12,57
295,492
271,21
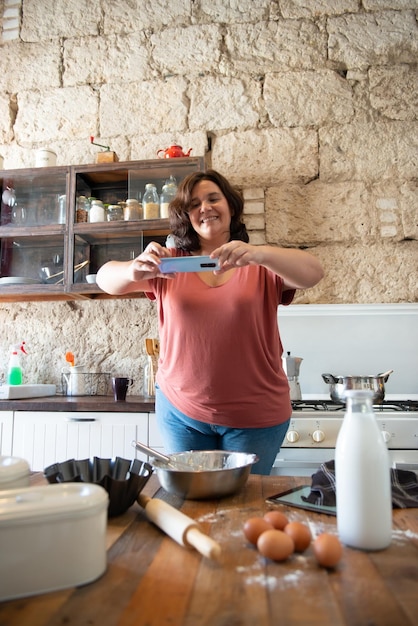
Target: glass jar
97,211
168,194
132,210
81,209
151,202
114,213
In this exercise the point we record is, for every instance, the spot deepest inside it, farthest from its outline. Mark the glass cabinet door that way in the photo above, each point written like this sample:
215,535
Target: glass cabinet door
34,197
59,225
32,230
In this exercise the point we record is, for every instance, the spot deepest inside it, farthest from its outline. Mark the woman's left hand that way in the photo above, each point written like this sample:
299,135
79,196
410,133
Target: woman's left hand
298,268
235,254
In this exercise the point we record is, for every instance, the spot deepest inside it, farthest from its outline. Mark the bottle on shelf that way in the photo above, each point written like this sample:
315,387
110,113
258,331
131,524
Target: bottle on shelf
168,193
151,202
362,477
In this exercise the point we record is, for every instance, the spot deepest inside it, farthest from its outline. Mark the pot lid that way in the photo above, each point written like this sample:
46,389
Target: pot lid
58,501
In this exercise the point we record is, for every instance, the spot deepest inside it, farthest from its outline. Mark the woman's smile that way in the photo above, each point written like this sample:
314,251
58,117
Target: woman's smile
209,218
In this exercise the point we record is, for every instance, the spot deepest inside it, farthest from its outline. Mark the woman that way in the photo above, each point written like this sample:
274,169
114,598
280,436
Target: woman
220,382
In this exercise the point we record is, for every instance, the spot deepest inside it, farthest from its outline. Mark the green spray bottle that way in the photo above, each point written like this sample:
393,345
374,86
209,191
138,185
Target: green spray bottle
14,372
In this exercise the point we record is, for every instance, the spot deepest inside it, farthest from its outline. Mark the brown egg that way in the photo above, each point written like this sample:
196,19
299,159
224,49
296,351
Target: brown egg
277,519
275,545
327,549
253,528
300,534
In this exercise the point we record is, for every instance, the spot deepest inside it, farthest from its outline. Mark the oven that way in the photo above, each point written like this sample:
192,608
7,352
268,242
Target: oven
314,426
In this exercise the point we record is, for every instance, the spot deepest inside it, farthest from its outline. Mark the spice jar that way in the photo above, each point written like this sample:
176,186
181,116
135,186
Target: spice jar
132,210
151,202
114,213
81,209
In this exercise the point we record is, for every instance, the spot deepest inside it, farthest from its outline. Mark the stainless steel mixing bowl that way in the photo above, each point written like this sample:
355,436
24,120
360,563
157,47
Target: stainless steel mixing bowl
213,473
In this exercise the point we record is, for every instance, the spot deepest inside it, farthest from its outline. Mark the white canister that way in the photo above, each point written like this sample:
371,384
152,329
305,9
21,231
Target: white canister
1,162
14,473
51,537
45,158
97,211
74,380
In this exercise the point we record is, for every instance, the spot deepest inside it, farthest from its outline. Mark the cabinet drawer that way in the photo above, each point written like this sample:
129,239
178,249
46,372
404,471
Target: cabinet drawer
46,438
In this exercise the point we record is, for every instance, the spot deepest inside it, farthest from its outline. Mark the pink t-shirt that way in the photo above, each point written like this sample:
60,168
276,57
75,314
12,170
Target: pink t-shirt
220,349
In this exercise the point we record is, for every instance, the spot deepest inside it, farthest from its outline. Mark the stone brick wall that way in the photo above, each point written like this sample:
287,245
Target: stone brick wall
309,107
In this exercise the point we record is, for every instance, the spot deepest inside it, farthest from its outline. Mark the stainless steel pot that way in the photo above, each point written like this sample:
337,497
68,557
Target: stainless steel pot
340,384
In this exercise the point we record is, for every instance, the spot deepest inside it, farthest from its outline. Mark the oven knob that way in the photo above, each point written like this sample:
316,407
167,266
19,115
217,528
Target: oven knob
386,436
292,436
318,436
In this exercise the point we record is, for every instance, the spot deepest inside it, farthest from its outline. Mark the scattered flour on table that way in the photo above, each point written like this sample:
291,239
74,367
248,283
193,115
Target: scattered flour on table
291,579
403,535
317,528
213,517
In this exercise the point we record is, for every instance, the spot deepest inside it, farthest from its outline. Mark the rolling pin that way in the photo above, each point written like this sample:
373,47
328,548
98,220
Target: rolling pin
179,527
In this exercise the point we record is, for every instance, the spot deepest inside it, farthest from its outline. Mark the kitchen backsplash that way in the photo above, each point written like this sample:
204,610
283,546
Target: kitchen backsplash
353,339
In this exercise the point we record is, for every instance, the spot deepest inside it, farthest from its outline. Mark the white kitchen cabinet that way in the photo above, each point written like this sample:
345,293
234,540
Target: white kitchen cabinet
6,432
154,437
43,438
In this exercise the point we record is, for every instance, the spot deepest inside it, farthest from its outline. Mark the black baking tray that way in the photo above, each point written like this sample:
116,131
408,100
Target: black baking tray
293,497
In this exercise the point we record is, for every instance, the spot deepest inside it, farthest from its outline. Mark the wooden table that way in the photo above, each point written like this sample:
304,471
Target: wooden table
152,581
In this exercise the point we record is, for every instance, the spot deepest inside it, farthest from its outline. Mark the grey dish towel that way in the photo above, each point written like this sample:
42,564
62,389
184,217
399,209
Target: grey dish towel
404,487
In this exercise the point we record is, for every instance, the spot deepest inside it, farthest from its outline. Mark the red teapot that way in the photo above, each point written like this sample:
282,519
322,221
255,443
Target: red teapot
173,152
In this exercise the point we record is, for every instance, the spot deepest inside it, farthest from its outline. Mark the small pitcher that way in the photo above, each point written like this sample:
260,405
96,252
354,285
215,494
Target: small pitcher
74,380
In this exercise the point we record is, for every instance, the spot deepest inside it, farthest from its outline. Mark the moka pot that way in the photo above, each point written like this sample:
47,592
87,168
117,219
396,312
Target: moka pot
291,366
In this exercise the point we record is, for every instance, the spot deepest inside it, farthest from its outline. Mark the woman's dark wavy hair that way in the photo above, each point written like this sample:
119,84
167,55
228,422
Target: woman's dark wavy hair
185,236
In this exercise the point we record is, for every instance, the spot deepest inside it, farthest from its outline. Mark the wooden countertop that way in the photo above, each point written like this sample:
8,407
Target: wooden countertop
133,404
152,581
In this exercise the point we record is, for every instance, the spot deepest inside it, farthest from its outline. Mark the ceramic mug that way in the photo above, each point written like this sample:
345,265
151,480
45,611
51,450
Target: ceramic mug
74,380
120,387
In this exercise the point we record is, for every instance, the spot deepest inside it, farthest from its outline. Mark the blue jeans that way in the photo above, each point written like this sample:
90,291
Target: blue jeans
181,433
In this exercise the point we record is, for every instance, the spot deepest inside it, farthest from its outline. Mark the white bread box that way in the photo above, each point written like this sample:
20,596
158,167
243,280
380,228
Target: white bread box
14,473
51,537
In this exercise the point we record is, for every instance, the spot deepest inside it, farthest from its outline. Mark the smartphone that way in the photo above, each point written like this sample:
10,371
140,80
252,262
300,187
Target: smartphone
188,264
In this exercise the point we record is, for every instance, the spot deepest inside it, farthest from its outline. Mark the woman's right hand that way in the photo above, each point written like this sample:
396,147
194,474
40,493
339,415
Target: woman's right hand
119,277
147,264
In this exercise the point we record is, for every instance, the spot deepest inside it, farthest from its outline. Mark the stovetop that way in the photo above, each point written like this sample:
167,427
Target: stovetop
329,405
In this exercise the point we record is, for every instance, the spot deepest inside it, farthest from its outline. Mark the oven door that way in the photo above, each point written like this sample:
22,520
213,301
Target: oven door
301,461
404,460
306,461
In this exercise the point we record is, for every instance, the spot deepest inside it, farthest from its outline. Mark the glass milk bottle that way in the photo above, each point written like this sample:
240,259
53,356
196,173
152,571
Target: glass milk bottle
362,477
151,202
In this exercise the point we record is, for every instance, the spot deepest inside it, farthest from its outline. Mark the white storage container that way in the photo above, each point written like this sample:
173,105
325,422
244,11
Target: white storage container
14,473
51,537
